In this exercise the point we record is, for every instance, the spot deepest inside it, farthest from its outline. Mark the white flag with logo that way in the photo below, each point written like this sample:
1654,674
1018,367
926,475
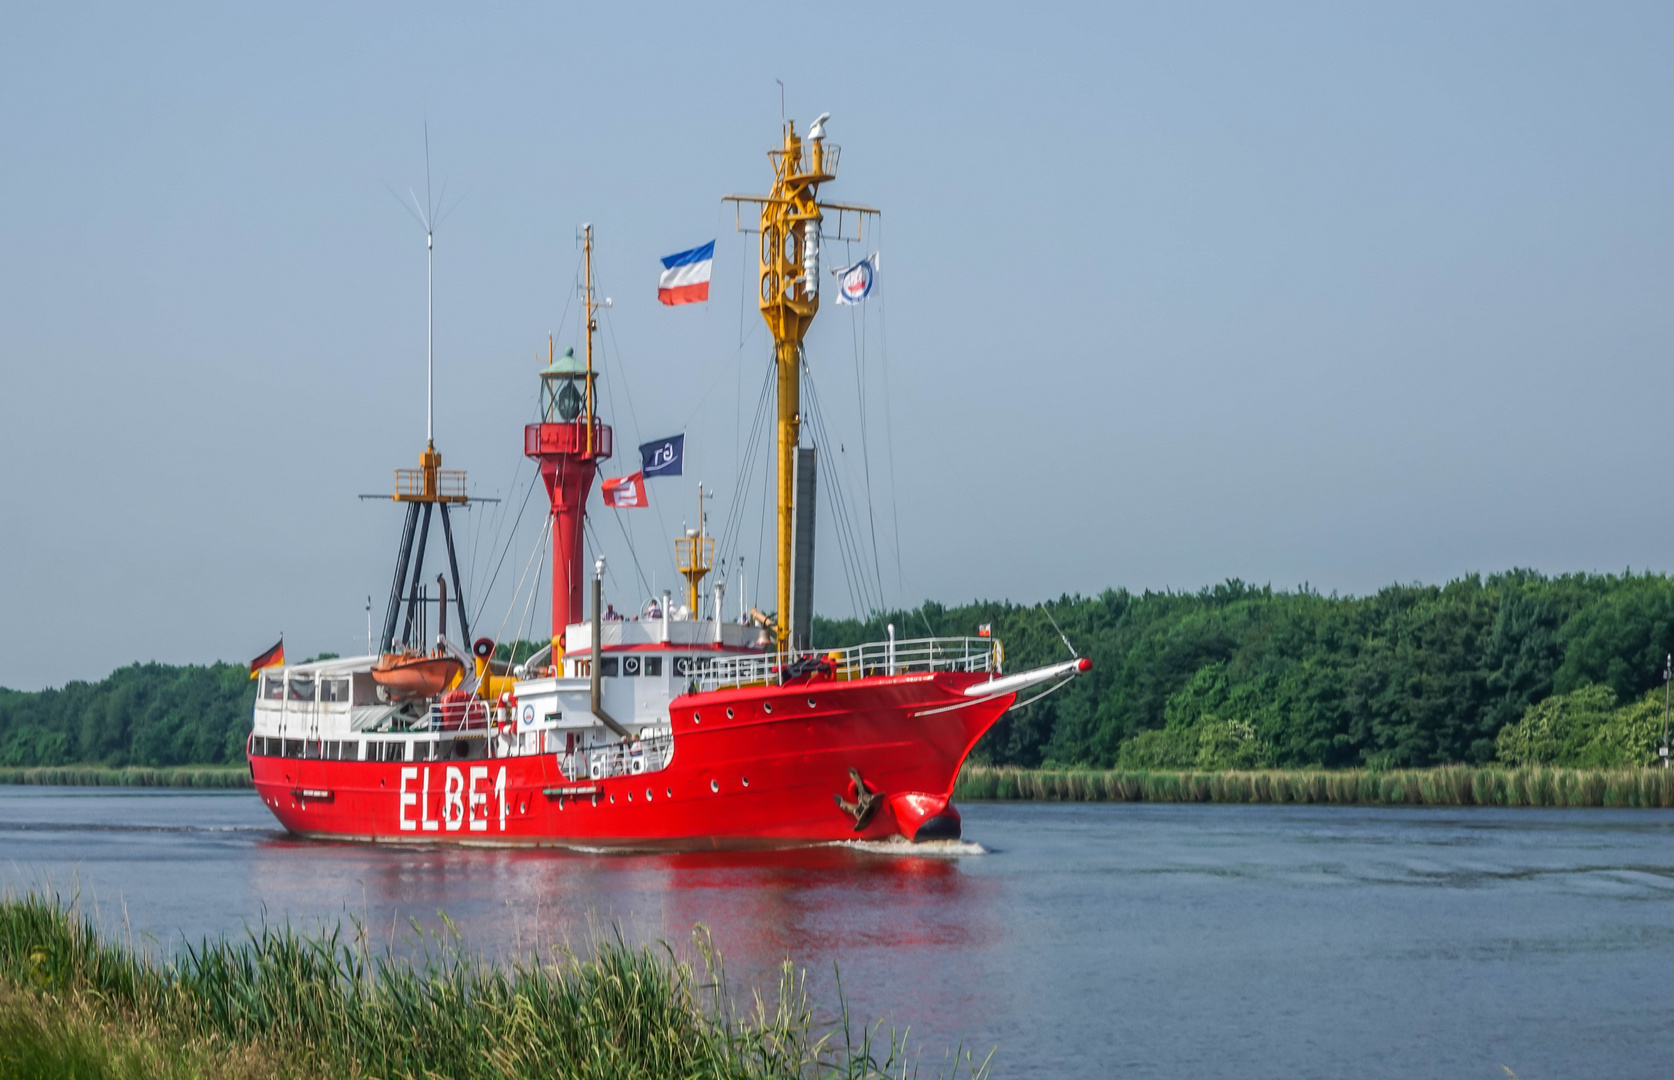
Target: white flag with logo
854,283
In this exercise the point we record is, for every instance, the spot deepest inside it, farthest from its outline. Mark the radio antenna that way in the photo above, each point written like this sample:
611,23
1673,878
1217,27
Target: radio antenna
428,214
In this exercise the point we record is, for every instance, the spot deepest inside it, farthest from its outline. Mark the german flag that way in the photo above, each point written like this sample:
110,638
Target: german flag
274,657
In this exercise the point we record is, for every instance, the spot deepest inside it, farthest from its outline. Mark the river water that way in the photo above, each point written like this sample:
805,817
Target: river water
1089,940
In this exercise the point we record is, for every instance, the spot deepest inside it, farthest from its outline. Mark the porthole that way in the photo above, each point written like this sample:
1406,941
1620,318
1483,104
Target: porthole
669,792
595,800
746,781
715,785
767,706
647,794
696,717
811,703
523,807
613,800
630,797
729,714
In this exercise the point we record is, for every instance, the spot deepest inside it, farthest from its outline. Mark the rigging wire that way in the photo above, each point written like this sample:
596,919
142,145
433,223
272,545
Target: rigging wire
838,495
610,569
540,549
889,421
848,546
482,602
865,446
732,524
500,509
615,358
634,555
526,628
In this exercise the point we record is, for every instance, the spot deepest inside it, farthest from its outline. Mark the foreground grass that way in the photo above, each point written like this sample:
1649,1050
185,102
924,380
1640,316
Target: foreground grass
180,776
1447,785
282,1004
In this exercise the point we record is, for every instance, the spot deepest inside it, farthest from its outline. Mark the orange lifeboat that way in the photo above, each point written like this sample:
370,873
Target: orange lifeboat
416,676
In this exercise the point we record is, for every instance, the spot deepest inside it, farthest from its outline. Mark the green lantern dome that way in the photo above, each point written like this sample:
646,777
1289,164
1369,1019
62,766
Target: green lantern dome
566,365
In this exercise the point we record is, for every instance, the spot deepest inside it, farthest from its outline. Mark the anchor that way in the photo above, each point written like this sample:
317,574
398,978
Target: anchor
866,801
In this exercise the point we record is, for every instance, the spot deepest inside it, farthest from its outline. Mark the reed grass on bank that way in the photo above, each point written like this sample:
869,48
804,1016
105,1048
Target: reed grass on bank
180,776
280,1003
1447,785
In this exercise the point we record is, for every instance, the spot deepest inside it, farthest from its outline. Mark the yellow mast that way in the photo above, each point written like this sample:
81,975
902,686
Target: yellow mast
694,556
588,310
789,296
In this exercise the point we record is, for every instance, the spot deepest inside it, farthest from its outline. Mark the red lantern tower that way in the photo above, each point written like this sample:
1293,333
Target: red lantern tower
569,443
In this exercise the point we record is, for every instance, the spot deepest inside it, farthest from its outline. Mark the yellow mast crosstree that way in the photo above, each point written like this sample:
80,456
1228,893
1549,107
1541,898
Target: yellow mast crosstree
789,296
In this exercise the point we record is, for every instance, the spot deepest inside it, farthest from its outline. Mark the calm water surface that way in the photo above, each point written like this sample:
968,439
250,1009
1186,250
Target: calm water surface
1081,940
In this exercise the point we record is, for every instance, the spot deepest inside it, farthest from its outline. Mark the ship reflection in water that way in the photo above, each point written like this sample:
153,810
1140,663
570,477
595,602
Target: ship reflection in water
872,910
1090,940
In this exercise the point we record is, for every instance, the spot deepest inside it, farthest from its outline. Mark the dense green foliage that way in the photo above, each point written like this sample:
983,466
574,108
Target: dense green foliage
74,1003
1238,676
1517,667
145,714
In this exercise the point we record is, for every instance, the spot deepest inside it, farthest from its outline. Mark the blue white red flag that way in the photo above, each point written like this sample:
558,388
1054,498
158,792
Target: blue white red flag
685,278
665,457
854,283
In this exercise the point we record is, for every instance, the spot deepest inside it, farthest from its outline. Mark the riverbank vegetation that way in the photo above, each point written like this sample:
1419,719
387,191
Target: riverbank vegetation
283,1004
1240,677
1516,669
1447,785
174,776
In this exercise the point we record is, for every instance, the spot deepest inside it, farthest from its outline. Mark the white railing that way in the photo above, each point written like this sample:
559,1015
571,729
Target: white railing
472,715
620,759
857,662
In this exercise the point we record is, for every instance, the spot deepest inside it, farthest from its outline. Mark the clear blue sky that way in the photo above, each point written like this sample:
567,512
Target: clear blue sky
1171,293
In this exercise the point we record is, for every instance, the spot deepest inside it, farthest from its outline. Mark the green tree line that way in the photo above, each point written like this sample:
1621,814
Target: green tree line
1518,668
144,714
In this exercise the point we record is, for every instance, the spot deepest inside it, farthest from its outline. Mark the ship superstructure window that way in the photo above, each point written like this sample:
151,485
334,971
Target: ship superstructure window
344,750
334,689
630,665
300,689
653,666
390,750
273,688
608,666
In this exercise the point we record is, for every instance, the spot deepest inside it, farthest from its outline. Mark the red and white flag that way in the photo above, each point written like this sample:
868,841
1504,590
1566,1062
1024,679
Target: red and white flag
625,492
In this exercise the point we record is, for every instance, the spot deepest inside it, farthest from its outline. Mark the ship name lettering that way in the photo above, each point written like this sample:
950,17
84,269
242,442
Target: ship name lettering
500,793
409,798
426,822
453,802
479,822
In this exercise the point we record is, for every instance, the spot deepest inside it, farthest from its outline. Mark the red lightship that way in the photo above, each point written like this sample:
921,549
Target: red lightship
676,728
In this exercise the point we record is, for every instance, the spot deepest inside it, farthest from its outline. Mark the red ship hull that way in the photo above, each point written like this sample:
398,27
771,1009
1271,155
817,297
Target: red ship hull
771,773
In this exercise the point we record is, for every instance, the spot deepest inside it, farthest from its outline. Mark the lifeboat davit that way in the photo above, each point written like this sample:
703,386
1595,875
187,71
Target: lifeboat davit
416,676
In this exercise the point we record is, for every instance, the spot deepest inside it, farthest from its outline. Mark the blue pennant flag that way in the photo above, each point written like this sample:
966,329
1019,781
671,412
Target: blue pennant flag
663,457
